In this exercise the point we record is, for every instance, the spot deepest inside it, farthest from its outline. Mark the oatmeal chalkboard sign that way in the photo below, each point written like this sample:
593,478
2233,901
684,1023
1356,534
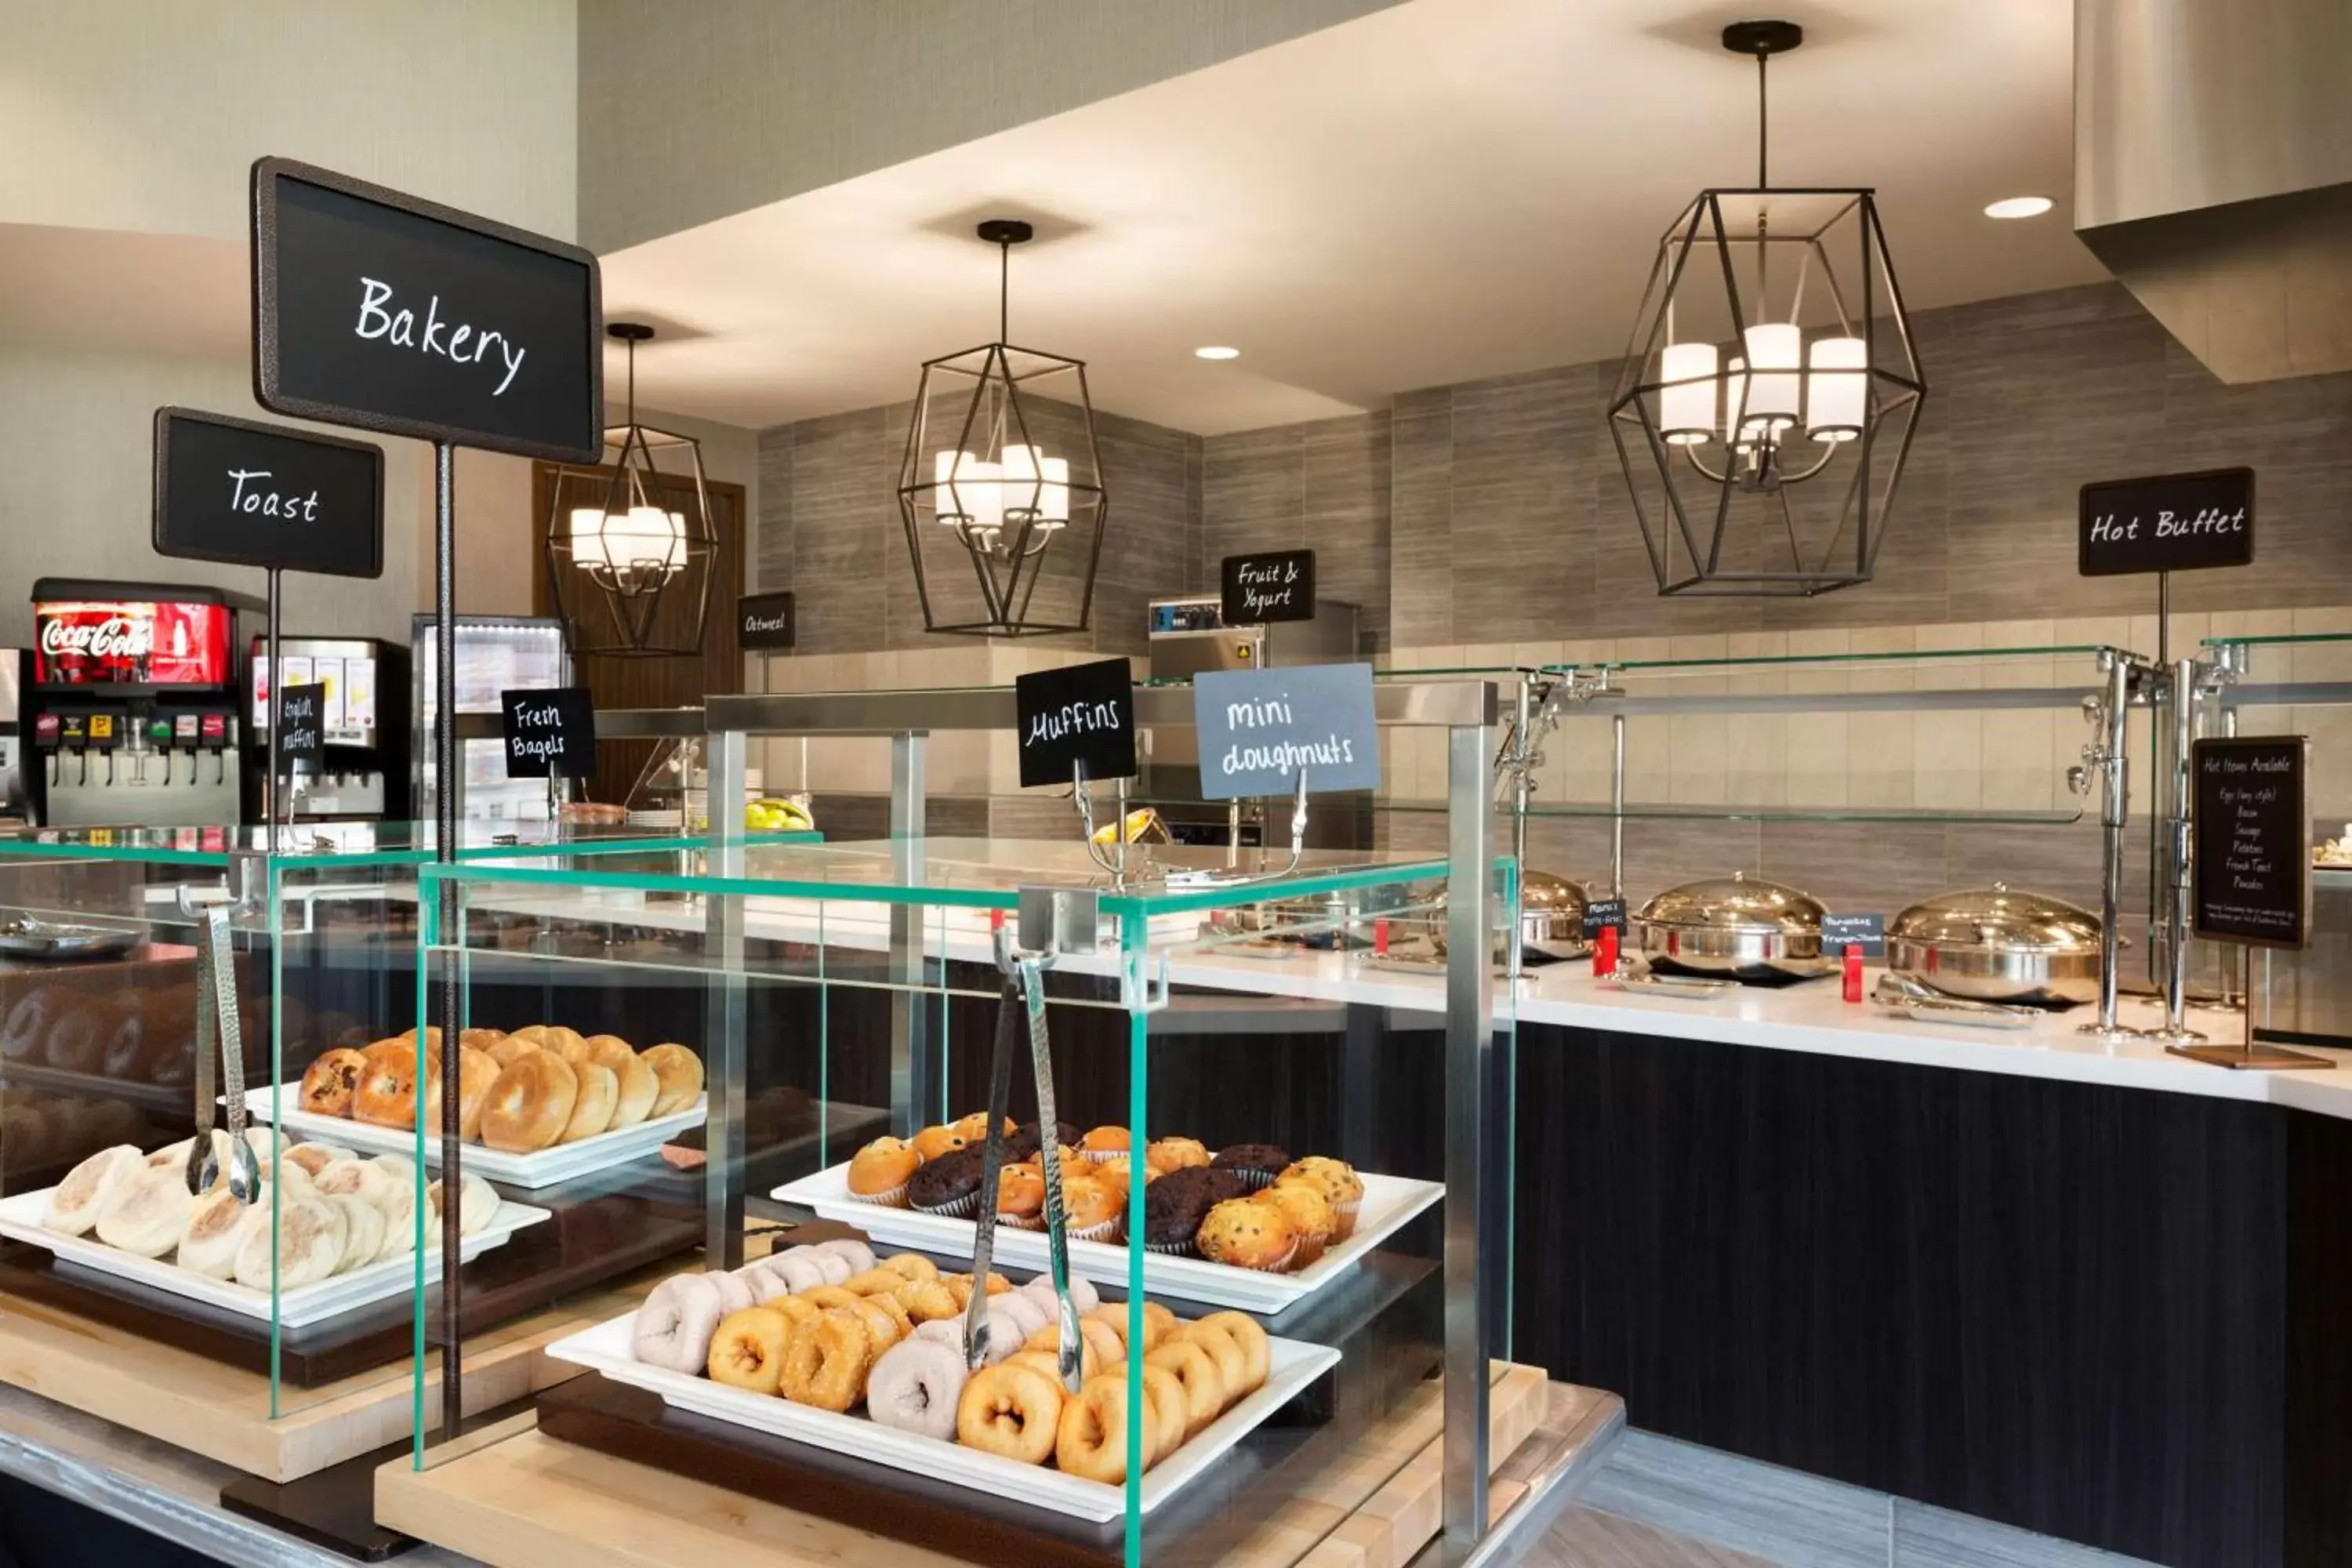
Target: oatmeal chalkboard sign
1277,586
2252,839
385,311
550,733
763,623
2170,522
261,495
1078,714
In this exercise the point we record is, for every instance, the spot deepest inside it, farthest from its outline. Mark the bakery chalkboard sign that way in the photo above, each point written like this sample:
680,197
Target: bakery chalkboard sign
2251,839
2169,523
385,311
1260,729
550,733
1278,587
261,495
1080,713
302,724
763,623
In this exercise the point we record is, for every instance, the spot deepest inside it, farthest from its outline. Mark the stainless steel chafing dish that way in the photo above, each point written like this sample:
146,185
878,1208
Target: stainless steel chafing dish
1743,927
1997,944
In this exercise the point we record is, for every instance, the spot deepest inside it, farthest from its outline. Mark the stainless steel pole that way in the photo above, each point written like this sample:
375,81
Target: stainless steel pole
915,1091
2115,798
1617,806
453,933
1470,1106
2176,977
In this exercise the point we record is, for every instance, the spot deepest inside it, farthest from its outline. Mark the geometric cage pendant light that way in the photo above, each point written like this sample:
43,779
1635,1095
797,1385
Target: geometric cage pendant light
630,546
1770,389
1000,490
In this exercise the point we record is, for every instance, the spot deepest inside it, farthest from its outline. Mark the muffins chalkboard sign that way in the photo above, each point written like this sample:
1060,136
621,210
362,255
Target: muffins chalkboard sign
2253,839
1080,714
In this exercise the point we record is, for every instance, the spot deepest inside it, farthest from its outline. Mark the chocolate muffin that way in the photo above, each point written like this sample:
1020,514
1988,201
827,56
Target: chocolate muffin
949,1184
1257,1164
1175,1204
1027,1139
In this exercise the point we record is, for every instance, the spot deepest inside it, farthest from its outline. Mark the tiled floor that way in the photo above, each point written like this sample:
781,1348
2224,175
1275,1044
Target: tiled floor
1587,1537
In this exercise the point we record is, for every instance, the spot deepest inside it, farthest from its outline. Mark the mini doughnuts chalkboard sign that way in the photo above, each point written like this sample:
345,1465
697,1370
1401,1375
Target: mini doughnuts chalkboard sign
383,310
2252,839
1261,730
261,495
1276,587
2170,522
302,723
550,733
1080,713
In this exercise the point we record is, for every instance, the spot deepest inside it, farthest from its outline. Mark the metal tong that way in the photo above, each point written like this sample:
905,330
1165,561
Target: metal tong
1025,986
1900,994
216,1000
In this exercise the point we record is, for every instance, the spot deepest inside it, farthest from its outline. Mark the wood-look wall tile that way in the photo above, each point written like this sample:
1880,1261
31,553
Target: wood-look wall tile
1421,510
1345,483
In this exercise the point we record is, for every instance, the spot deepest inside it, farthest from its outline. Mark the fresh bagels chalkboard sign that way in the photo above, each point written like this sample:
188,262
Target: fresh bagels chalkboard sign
550,733
260,495
1080,713
2252,836
2169,523
385,311
1278,587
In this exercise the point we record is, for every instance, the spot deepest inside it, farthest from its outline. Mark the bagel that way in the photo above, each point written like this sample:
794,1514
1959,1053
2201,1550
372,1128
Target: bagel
330,1083
75,1043
591,1107
531,1104
608,1050
476,1071
505,1047
1012,1411
479,1039
385,1094
125,1046
30,1021
679,1073
563,1042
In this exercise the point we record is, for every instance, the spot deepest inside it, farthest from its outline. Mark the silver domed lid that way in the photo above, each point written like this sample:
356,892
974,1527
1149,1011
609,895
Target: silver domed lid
1999,918
1737,904
1541,890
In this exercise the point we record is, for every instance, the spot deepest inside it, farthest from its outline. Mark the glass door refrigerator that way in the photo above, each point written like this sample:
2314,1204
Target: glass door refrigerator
495,653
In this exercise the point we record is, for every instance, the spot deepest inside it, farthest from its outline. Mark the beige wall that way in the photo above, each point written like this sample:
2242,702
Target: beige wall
144,114
762,99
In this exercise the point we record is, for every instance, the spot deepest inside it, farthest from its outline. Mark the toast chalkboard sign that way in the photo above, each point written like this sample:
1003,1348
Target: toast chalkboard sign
2252,839
550,733
1260,729
302,724
1078,714
1276,587
2170,522
763,623
260,495
385,311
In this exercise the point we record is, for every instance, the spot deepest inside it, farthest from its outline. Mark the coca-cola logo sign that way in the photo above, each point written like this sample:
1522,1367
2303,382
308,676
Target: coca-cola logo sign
117,637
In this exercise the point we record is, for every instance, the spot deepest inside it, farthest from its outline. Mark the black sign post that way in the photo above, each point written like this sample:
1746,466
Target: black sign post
2250,828
1278,585
375,308
1081,716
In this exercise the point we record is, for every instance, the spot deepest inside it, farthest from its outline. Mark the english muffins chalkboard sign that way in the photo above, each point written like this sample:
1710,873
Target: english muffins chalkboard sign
385,311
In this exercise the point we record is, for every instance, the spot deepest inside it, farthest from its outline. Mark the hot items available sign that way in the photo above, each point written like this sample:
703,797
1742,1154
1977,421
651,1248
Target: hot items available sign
2251,832
550,732
2170,522
129,642
1260,729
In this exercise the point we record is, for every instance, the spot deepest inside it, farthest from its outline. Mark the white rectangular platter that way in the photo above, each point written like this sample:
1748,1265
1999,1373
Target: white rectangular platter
21,1216
1389,1202
1291,1366
564,1162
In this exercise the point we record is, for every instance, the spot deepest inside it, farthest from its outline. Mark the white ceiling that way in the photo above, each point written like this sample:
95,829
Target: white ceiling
1442,191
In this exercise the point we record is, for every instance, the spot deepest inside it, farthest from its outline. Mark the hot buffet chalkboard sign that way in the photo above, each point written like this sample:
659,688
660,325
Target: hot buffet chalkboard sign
2168,523
2251,835
260,495
388,312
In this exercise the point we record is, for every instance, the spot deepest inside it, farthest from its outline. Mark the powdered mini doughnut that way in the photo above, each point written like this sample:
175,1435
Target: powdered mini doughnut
915,1388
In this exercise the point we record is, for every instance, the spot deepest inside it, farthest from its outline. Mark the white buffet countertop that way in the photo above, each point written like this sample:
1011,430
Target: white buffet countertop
1811,1017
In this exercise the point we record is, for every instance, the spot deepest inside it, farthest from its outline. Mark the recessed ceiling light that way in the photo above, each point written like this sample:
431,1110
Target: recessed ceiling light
2019,207
1217,351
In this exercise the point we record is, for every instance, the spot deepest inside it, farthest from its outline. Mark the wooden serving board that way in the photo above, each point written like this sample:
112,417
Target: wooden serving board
532,1501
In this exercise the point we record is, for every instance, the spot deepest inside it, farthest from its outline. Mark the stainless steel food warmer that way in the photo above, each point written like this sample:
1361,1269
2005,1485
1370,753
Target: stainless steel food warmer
1999,944
1745,927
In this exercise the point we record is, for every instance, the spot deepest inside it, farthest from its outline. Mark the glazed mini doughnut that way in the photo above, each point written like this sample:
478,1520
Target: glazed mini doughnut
1112,1315
856,1253
874,1282
827,1360
1250,1338
1023,1309
385,1094
591,1107
797,1310
882,1329
531,1104
746,1349
673,1328
1102,1345
1202,1386
147,1211
832,1296
1222,1348
679,1071
1045,1362
1091,1438
797,1267
734,1296
915,1387
1162,1321
28,1025
1083,1294
1163,1397
910,1266
927,1300
476,1071
1012,1411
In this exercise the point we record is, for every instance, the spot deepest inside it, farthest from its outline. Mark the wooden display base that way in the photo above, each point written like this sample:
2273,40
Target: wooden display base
193,1402
525,1498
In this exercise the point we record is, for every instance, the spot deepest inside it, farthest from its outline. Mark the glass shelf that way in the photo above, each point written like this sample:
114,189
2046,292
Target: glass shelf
348,843
1636,812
